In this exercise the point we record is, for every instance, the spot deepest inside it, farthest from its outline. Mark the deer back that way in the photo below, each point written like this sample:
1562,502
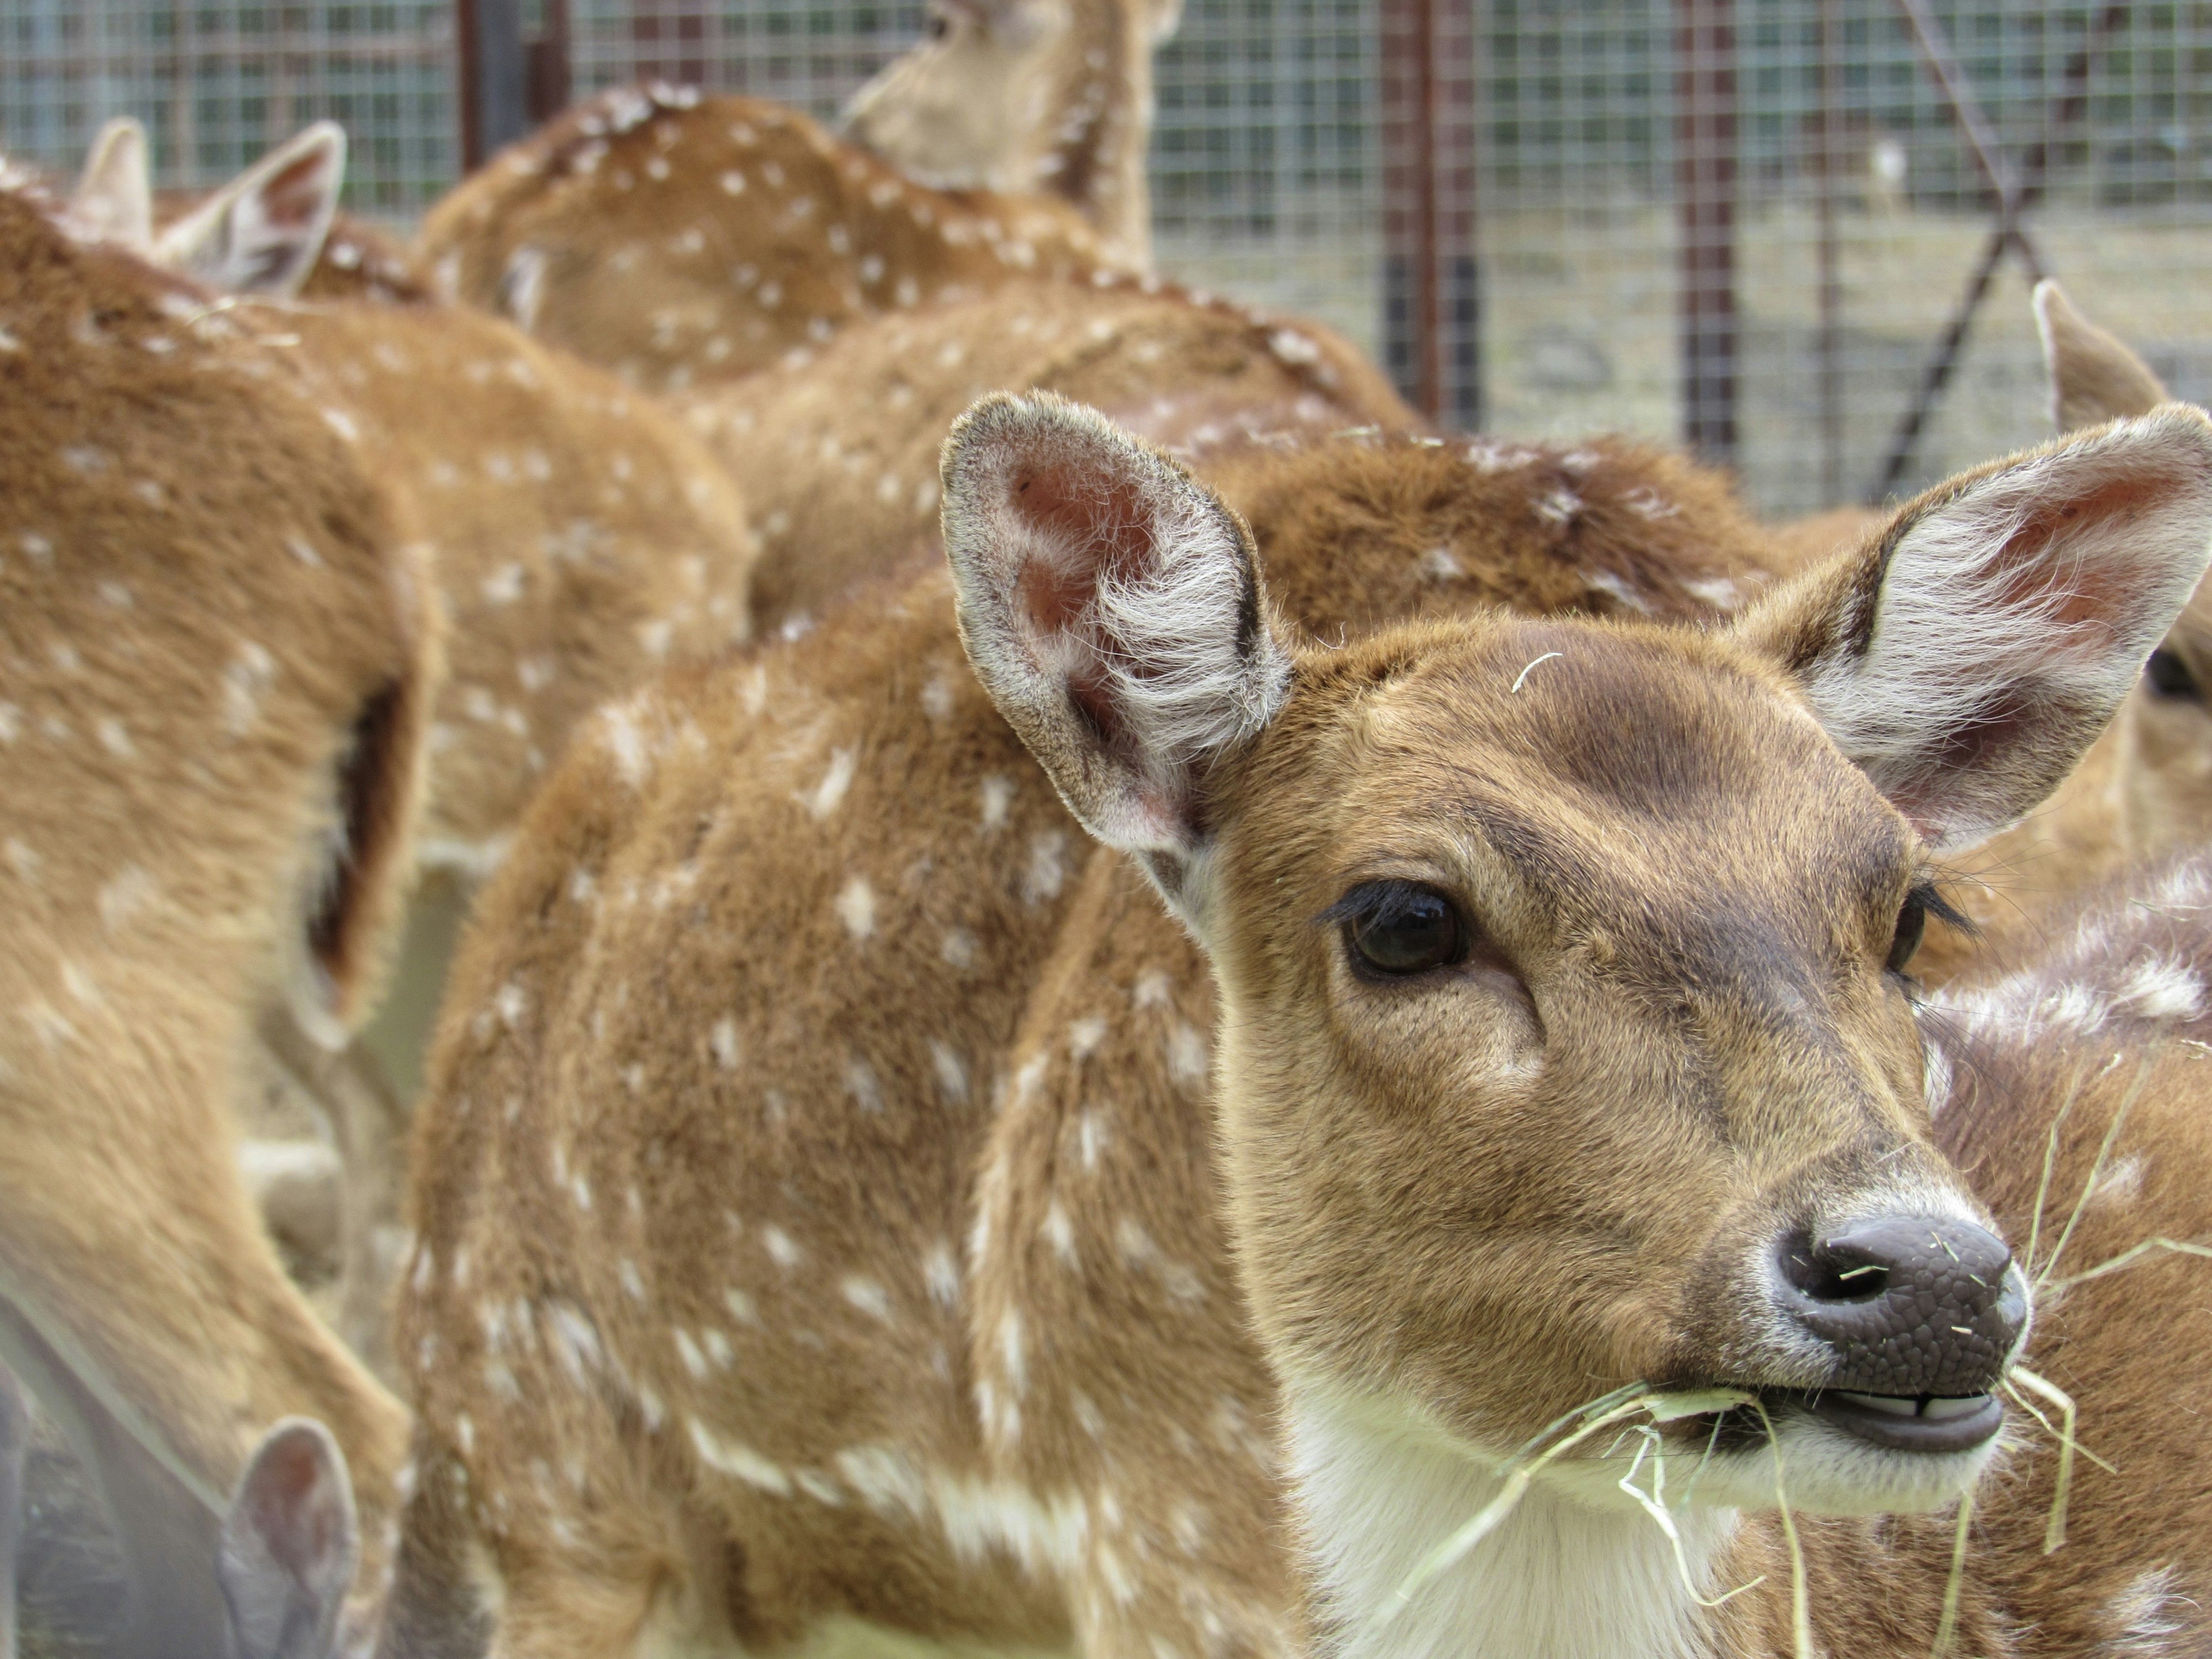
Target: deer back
680,240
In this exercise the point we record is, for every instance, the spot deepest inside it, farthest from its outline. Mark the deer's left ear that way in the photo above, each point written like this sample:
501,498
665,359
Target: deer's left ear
1111,607
289,1544
262,232
114,196
1965,655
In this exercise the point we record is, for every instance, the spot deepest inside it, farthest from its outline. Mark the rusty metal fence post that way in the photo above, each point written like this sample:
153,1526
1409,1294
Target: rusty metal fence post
509,81
1431,289
1705,180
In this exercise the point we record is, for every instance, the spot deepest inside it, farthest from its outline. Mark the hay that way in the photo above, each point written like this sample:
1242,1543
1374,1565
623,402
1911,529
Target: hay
1947,1624
1801,1598
1637,1399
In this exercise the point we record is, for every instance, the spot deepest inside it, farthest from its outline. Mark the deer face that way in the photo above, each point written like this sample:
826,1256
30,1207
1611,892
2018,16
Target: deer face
1565,1041
1567,1023
960,110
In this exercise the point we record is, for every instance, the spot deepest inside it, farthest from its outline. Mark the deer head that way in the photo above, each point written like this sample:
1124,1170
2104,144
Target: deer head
1562,1030
1053,96
2163,740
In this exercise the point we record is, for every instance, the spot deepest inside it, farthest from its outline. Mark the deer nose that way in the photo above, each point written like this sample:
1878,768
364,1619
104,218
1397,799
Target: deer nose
1909,1305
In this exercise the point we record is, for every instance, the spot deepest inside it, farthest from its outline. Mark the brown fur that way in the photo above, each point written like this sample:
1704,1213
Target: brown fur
1050,95
837,454
706,825
215,651
2146,787
613,234
579,536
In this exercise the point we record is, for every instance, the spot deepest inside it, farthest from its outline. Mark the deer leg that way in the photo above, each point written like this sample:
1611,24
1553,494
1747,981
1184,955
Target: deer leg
369,1126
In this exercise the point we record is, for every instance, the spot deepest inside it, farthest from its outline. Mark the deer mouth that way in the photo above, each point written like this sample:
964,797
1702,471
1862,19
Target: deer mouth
1912,1423
1930,1424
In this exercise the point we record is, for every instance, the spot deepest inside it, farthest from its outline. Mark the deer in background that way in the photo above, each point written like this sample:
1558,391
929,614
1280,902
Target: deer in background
2145,787
579,537
218,665
1013,95
679,240
837,457
836,1198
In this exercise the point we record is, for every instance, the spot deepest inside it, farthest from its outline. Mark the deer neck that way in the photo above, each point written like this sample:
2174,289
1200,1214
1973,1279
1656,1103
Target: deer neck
1093,157
1378,1487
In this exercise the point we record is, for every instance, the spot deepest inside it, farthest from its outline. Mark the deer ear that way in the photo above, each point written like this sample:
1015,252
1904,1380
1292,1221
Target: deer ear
1967,655
114,195
289,1544
2093,376
1111,607
262,232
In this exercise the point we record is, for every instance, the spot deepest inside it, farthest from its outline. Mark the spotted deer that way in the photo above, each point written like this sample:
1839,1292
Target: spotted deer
2145,787
217,664
679,240
837,455
1008,95
842,1194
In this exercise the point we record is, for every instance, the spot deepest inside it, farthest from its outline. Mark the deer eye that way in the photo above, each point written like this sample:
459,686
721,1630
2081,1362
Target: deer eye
940,25
1911,923
2169,676
1400,927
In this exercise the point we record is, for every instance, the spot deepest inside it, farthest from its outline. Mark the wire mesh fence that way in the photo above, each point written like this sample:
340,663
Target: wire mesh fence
1768,210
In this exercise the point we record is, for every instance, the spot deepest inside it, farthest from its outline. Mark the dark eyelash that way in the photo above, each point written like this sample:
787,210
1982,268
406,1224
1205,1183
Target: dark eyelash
1377,903
1939,908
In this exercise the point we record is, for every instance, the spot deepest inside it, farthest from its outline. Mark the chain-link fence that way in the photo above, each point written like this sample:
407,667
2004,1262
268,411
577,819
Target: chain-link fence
1794,166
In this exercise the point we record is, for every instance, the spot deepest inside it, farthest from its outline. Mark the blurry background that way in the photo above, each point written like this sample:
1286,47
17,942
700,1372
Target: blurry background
1746,223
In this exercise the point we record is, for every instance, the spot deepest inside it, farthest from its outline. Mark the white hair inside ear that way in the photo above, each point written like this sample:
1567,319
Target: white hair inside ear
113,201
262,232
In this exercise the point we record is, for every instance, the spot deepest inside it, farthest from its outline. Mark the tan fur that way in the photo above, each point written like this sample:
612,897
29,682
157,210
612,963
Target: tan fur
217,653
837,455
681,240
713,935
841,1194
1050,95
2146,787
579,536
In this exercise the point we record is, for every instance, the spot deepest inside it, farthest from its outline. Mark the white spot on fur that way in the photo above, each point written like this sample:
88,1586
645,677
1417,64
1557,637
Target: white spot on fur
856,908
724,1041
869,1297
829,793
781,1246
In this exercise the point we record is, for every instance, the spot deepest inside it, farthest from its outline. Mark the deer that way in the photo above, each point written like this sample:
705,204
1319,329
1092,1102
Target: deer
578,536
680,239
218,660
1014,95
840,1195
836,454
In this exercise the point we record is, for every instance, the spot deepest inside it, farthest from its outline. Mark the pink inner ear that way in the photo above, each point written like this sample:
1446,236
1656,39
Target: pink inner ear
290,1510
1096,524
292,197
2099,587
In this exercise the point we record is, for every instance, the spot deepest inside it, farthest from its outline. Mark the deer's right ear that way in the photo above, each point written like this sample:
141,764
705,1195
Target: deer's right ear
289,1544
262,232
2093,376
1965,656
114,195
1111,607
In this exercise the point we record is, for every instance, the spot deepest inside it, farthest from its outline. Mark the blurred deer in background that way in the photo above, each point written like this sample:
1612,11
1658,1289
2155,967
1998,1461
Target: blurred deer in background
219,659
837,1197
1014,95
2146,786
579,539
680,239
837,457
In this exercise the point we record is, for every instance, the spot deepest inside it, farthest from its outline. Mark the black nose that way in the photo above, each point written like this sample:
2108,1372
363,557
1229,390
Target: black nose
1912,1304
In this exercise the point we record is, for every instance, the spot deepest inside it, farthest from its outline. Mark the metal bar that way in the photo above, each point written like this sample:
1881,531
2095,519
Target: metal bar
1705,176
2073,102
1410,299
1828,345
1459,275
550,79
495,77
